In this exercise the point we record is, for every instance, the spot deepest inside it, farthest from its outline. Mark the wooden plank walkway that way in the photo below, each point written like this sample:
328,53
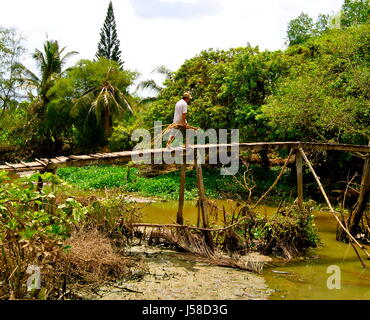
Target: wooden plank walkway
126,156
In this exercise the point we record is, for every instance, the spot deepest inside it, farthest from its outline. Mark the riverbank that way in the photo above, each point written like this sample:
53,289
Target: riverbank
172,275
300,278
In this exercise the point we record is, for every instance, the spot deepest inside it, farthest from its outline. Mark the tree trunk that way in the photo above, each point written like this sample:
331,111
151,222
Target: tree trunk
265,159
107,125
363,199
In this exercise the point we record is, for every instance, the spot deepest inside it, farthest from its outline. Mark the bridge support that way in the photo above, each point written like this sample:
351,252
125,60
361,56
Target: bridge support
180,219
203,206
299,167
202,200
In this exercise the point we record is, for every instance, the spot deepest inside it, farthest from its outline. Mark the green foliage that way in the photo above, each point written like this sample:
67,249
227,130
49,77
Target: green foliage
324,96
86,99
287,233
167,185
50,62
32,230
355,12
11,124
299,29
304,27
228,87
26,210
121,137
11,51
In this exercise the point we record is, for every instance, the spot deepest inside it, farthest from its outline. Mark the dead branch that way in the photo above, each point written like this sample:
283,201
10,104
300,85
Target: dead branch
330,206
276,181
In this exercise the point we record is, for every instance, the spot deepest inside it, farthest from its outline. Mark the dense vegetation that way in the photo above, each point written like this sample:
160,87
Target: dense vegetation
167,185
315,90
48,228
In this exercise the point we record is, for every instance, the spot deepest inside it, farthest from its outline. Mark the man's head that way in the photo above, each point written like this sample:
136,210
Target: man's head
187,96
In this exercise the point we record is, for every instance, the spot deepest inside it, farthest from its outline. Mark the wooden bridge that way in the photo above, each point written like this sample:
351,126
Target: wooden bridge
50,165
126,156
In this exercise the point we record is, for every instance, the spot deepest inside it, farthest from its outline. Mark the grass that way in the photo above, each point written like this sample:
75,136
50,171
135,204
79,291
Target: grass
167,185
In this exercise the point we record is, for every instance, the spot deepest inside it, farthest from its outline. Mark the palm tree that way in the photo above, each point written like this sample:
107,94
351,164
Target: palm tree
104,101
50,64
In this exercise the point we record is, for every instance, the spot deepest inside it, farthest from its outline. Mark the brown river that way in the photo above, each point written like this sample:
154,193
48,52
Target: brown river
305,278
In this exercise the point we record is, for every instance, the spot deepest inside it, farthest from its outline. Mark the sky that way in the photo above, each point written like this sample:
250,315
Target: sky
158,32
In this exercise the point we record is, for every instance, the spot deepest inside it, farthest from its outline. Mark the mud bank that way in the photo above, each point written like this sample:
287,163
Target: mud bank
182,276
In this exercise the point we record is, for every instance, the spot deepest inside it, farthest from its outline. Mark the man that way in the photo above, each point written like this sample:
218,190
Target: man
179,119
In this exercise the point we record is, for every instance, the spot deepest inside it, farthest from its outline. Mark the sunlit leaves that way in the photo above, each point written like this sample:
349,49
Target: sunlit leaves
325,95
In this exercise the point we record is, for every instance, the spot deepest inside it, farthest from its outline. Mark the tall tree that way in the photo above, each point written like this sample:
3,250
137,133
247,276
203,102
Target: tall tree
109,45
11,50
50,63
304,27
94,88
299,29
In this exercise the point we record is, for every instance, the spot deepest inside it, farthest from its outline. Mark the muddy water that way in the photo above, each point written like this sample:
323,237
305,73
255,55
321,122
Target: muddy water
303,279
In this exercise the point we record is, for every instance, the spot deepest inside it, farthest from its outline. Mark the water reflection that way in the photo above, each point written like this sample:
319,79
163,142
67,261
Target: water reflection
305,278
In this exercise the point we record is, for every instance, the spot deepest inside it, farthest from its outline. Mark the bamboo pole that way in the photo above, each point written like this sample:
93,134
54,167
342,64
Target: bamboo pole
198,211
180,219
299,164
330,206
276,180
203,203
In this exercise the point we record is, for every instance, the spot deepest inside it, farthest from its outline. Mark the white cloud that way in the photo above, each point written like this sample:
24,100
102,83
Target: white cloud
175,9
150,36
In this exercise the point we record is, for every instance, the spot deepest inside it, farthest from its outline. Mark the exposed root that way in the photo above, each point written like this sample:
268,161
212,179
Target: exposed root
195,243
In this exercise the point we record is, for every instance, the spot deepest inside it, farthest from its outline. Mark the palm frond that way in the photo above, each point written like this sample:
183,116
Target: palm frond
149,84
85,100
122,97
163,70
68,55
148,100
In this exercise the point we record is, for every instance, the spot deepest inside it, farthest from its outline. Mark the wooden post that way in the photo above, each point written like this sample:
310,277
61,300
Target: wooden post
299,168
180,219
198,216
363,198
203,206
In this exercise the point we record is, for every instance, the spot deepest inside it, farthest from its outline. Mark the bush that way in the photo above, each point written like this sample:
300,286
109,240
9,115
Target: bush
32,231
287,233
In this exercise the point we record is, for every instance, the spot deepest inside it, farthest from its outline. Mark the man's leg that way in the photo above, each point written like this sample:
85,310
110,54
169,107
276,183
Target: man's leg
187,138
172,136
170,141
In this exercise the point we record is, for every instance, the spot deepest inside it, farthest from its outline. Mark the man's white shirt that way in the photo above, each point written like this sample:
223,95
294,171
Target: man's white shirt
180,108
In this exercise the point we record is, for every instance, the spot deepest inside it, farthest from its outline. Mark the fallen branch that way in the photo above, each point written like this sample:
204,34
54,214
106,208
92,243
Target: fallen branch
276,181
329,204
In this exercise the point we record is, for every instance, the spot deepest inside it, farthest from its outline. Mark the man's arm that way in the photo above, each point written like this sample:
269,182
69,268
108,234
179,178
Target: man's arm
184,113
184,121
